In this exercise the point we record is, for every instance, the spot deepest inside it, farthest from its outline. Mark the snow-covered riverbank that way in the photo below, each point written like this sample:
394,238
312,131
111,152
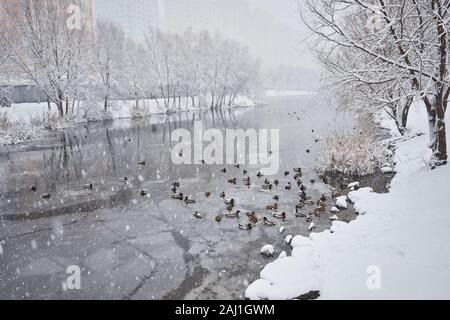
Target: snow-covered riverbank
394,250
26,121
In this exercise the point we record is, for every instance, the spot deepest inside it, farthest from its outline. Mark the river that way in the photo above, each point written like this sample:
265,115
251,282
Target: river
130,246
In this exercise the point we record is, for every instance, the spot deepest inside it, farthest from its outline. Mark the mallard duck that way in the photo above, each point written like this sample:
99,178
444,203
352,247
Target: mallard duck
335,194
198,215
247,183
246,226
276,198
309,218
312,181
222,195
298,176
207,194
266,181
178,196
187,200
245,172
299,182
273,206
299,206
230,202
308,151
260,175
232,181
175,184
46,196
319,210
144,193
276,183
288,186
298,170
232,214
253,218
89,186
237,166
123,180
300,215
224,170
33,188
142,163
174,189
219,218
303,188
279,215
323,198
286,173
267,187
268,223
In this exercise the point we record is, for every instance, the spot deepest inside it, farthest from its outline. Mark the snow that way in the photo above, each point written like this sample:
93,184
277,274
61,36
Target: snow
268,250
398,242
335,210
387,170
334,218
341,202
353,185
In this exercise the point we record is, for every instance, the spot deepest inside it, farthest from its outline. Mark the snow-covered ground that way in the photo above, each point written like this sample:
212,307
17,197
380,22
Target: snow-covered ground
396,249
26,119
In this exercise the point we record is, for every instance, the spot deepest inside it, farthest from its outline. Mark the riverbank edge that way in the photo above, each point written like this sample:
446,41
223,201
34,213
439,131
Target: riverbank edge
344,262
24,131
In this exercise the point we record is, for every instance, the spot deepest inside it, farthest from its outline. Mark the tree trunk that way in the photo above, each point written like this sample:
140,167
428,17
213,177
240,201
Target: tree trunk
437,127
106,103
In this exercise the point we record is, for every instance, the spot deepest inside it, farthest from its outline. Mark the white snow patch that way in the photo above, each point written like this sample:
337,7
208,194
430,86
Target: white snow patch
268,250
341,202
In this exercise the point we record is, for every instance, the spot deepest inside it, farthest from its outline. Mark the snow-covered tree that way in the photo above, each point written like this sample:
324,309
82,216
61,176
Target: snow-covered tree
387,53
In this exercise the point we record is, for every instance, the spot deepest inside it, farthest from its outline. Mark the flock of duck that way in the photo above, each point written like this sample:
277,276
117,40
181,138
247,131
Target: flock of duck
305,201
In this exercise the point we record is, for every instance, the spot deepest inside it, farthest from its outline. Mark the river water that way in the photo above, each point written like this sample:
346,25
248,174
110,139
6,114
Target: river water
129,246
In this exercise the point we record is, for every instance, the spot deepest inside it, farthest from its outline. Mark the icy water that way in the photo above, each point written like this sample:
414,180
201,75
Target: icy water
130,246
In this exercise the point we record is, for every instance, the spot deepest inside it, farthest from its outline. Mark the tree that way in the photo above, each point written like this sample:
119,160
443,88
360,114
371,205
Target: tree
44,47
109,47
403,57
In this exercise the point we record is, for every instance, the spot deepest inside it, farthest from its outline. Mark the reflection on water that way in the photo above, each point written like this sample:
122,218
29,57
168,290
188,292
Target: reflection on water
146,247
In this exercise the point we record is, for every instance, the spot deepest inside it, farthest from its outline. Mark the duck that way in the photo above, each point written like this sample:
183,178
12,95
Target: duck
324,178
303,187
46,196
323,198
229,207
319,210
144,193
237,166
276,183
247,183
232,181
300,206
299,182
298,170
176,184
268,223
253,218
286,173
142,163
33,188
260,175
279,215
187,200
276,198
246,226
123,180
335,194
174,189
308,151
222,195
224,170
232,214
300,215
178,196
219,218
230,202
246,179
89,186
197,215
207,194
288,186
298,176
312,181
273,206
267,187
309,218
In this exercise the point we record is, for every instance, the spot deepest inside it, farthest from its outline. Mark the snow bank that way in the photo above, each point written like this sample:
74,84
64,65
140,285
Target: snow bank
395,250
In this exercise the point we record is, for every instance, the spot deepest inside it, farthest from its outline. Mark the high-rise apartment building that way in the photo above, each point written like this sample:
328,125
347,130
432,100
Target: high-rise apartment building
135,17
